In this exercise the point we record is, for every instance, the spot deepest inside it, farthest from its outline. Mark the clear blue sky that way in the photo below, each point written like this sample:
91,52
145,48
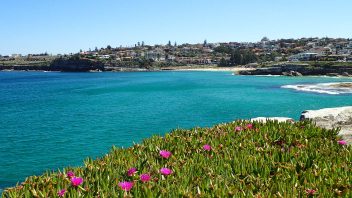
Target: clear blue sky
63,26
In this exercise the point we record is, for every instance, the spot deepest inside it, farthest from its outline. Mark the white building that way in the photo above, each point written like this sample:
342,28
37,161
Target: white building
302,56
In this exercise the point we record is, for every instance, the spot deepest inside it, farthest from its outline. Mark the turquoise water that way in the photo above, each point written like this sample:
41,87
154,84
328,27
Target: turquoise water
52,120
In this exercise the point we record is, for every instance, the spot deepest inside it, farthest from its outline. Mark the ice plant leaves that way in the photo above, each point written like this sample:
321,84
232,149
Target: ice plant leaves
238,159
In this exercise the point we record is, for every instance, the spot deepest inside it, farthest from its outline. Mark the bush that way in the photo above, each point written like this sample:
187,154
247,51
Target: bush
239,159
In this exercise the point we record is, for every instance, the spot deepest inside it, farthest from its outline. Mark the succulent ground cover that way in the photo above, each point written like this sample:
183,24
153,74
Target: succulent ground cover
238,159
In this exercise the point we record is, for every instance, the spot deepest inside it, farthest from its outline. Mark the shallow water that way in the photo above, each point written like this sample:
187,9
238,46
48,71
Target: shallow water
52,120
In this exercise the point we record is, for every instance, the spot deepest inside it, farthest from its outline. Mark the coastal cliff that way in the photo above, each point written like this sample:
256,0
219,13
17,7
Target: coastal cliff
65,64
75,63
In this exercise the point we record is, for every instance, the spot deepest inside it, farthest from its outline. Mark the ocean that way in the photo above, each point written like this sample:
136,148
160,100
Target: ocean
50,120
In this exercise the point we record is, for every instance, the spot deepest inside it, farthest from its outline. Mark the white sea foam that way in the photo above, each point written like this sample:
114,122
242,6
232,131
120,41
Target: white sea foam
268,75
324,88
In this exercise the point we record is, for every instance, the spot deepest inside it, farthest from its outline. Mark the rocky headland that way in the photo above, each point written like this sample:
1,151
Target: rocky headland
300,70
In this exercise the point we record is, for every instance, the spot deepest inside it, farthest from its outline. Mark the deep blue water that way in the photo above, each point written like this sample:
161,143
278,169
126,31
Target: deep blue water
53,120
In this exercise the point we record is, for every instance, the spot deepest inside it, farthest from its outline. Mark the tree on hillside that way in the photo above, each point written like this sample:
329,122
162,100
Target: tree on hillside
236,57
223,49
223,62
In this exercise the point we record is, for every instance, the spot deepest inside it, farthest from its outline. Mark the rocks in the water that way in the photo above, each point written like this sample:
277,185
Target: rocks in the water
342,85
279,119
346,74
292,73
329,118
333,74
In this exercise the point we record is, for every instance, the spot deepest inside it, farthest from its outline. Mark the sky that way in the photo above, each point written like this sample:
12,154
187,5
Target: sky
66,26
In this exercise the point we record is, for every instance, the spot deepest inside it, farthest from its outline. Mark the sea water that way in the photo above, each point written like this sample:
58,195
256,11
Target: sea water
53,120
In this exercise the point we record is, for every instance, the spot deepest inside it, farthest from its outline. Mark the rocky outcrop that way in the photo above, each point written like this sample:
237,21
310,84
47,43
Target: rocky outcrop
300,69
279,119
75,64
292,73
329,118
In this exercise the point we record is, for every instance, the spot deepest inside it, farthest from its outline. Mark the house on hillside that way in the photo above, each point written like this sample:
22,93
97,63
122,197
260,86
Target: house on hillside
307,56
321,51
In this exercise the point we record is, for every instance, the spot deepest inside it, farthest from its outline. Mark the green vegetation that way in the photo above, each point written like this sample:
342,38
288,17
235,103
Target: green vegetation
239,160
237,56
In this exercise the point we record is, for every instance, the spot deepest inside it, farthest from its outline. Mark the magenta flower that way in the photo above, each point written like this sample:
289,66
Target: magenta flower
76,181
249,126
238,128
131,171
70,174
207,147
126,185
165,171
145,177
310,191
165,153
342,142
61,193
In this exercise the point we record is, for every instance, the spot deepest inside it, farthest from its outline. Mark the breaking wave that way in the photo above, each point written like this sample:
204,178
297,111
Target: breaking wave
323,88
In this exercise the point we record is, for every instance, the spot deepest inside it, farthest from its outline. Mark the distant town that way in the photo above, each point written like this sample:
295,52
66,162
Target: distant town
142,56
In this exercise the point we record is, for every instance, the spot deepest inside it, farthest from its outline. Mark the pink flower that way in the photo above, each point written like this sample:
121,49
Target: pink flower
310,191
165,171
61,193
238,128
126,185
207,147
145,177
70,174
249,126
131,171
342,142
76,181
165,153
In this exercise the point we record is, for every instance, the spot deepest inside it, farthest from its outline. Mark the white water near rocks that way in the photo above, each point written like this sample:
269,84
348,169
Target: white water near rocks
323,88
